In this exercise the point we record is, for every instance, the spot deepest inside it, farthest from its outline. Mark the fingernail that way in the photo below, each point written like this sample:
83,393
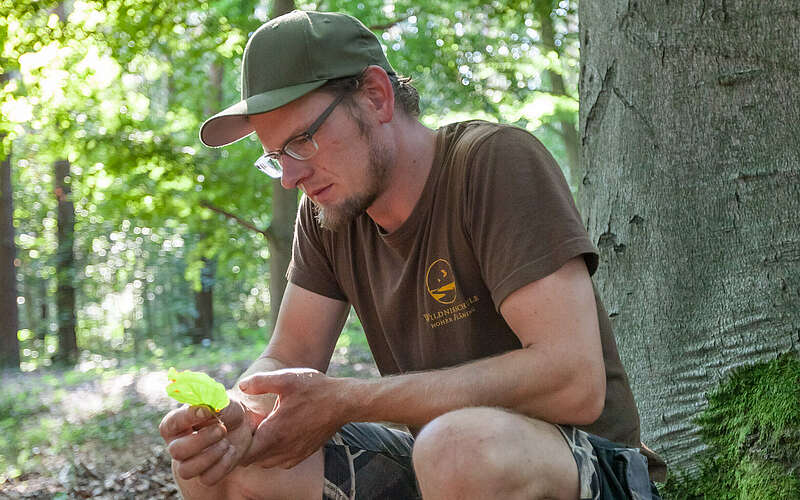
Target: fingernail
243,384
202,412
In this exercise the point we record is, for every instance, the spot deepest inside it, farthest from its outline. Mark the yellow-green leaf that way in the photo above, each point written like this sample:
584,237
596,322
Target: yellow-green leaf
196,388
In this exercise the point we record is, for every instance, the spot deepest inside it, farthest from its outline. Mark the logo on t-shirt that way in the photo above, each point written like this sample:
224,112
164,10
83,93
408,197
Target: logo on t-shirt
440,282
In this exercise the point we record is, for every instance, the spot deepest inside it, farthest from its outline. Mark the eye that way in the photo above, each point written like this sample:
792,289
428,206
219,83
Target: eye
301,148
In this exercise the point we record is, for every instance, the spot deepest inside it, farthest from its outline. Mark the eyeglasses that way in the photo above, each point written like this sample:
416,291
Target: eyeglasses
299,147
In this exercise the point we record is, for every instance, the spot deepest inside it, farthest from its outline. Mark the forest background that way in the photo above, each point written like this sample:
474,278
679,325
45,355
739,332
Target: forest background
126,247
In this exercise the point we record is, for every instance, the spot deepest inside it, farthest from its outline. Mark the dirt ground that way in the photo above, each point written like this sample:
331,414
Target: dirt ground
137,468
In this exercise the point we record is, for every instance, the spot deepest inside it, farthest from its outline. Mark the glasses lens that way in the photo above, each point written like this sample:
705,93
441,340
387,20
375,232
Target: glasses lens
301,148
270,166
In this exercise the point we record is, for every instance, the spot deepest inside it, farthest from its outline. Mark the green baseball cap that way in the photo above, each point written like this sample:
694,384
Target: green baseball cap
288,57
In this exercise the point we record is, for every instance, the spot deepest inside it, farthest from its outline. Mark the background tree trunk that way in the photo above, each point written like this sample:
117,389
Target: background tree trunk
284,212
204,298
65,266
689,114
9,314
568,133
204,303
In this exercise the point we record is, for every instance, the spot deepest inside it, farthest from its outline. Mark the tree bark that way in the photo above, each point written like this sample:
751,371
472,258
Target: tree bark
65,266
9,314
689,114
284,212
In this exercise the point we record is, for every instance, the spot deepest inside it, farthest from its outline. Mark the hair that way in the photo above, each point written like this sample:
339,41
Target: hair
406,96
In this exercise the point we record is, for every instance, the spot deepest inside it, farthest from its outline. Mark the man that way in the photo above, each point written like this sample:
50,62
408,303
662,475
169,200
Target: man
467,263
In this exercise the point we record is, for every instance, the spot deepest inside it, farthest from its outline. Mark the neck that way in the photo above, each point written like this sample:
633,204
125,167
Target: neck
415,148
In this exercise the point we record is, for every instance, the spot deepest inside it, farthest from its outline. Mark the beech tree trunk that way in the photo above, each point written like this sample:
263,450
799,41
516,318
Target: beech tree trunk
689,126
65,266
9,314
284,212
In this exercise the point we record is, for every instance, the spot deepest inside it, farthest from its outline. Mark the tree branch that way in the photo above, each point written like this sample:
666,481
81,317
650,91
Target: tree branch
386,26
266,232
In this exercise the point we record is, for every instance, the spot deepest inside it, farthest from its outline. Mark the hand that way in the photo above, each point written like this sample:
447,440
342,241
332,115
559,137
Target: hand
307,413
203,445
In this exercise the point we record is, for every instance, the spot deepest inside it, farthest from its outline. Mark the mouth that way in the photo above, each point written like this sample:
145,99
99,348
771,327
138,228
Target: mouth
317,193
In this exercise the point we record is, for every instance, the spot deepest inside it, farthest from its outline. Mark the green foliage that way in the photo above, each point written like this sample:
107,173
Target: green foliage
120,88
196,388
752,428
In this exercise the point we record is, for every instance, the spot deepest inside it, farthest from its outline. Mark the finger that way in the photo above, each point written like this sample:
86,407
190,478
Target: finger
232,415
187,446
181,420
265,382
203,461
220,469
264,440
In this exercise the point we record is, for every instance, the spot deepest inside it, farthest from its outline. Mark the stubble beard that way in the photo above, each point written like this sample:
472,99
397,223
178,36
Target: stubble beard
335,217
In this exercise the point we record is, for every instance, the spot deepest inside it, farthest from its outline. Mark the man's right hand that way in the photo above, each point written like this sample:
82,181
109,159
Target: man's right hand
204,446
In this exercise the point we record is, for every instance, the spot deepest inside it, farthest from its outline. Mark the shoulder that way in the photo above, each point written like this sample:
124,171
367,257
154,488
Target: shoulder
482,145
482,153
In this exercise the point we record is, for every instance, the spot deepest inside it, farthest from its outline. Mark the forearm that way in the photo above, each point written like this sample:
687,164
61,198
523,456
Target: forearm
524,380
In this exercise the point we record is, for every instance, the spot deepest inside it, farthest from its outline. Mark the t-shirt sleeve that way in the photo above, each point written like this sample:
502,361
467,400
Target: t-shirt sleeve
520,214
310,267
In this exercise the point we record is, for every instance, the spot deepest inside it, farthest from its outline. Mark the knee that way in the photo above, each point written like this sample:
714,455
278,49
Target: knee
464,449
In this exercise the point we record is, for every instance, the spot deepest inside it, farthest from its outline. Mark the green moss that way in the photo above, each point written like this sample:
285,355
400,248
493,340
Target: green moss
752,429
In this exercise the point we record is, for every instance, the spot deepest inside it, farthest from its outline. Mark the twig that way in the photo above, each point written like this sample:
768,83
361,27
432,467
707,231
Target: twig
266,232
378,27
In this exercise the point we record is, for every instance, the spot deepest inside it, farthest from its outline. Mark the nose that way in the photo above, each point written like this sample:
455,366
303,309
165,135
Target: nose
295,172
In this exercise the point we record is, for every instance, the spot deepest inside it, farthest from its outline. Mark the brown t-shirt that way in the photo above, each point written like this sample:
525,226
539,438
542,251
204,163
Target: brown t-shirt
495,214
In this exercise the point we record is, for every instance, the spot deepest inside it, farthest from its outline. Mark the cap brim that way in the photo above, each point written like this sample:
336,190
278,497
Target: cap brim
231,124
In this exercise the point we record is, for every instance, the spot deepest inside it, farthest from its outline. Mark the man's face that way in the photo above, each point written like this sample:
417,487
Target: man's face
349,171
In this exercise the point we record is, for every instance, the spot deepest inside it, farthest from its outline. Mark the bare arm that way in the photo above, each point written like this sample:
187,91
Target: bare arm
305,335
558,375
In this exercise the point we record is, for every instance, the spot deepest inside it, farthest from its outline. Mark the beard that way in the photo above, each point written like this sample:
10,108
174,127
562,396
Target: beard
336,217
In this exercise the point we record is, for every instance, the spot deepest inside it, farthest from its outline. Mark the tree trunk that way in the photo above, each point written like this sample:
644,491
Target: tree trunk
689,114
284,212
31,321
44,324
568,133
65,266
9,314
204,303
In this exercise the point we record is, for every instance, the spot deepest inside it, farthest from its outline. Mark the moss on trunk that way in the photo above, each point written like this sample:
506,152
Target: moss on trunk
752,429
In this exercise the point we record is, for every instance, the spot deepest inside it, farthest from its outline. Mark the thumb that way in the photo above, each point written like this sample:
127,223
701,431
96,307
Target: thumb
262,383
232,415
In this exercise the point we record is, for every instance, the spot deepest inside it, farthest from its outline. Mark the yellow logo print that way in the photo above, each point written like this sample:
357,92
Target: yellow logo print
441,282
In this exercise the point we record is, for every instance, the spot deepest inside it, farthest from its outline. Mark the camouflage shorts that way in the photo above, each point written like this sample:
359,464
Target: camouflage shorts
608,470
369,461
372,462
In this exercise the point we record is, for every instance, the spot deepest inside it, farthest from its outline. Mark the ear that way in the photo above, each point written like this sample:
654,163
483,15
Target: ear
377,90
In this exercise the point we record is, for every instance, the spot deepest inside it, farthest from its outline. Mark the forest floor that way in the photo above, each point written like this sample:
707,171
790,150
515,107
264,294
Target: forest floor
95,435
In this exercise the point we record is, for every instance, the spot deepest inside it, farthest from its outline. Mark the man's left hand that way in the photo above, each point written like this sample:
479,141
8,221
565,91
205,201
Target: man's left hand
307,413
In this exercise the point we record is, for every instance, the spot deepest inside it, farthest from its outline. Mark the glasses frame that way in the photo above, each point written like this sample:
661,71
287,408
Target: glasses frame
270,162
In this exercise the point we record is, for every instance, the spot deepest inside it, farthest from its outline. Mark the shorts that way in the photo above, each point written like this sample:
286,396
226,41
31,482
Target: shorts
365,461
608,470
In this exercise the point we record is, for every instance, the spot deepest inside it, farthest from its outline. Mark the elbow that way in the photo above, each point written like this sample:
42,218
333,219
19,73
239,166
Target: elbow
592,404
589,401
